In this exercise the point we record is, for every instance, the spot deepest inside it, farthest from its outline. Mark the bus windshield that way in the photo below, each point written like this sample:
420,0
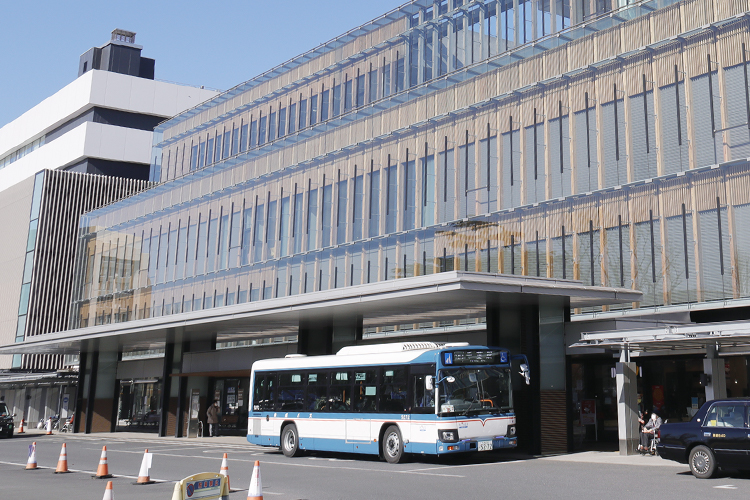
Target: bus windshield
474,391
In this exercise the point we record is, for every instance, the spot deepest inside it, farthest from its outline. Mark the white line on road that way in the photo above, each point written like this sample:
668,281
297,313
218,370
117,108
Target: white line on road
93,473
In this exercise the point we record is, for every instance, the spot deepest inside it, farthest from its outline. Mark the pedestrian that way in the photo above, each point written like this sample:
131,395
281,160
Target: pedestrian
213,415
648,432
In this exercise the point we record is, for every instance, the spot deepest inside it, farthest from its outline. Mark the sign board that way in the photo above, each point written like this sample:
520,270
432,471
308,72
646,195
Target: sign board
203,486
588,412
194,420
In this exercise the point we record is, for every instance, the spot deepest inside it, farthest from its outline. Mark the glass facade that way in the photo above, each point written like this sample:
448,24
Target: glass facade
601,174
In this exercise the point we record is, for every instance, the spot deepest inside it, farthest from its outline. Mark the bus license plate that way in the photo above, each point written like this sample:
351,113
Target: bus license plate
484,446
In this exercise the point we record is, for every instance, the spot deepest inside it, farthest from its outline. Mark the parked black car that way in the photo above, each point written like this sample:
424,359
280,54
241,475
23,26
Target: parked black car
6,421
718,436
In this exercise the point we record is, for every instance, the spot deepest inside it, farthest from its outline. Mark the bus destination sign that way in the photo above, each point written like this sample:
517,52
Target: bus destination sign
478,357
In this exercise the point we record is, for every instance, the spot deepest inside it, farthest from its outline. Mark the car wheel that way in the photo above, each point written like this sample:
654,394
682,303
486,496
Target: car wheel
393,445
702,462
290,441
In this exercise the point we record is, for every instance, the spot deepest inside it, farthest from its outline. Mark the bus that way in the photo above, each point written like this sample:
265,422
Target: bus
394,399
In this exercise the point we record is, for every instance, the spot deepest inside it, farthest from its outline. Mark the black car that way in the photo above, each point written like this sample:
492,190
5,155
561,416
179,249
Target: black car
718,436
6,421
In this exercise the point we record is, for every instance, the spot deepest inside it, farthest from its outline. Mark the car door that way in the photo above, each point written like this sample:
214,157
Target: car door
726,433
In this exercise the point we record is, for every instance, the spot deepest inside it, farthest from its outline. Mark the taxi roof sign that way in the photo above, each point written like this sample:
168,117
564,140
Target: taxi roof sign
202,486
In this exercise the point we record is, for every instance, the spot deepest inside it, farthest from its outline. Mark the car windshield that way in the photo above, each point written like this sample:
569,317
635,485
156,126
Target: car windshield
474,391
3,410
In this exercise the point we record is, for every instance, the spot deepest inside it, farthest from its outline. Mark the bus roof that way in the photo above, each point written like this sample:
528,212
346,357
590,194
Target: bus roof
367,355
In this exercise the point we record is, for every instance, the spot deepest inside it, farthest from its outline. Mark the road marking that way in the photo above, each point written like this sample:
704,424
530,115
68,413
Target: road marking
93,473
726,487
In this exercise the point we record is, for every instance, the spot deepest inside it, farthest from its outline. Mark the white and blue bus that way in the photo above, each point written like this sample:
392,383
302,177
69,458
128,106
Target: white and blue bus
387,399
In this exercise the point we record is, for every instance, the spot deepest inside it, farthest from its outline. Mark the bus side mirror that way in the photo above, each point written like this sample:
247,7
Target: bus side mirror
429,383
526,373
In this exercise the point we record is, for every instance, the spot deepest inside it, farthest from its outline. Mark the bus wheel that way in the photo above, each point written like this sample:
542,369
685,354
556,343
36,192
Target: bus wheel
290,441
393,445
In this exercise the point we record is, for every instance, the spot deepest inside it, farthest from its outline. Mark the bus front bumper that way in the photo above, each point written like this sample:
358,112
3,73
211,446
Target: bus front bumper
477,444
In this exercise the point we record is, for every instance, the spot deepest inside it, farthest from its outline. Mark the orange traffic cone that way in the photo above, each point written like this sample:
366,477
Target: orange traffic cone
103,471
109,493
20,429
62,463
225,469
256,489
49,427
143,477
31,463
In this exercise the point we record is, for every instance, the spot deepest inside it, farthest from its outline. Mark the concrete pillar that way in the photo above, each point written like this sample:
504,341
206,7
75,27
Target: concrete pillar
327,334
627,404
713,367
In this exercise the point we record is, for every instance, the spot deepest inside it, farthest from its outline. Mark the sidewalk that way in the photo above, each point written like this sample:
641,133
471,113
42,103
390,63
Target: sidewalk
614,458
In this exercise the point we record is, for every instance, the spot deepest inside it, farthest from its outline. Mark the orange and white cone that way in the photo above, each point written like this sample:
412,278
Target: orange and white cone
109,493
62,463
49,427
20,429
31,463
256,489
143,477
225,469
102,472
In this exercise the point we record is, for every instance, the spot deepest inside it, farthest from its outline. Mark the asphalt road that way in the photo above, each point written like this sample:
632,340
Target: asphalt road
331,476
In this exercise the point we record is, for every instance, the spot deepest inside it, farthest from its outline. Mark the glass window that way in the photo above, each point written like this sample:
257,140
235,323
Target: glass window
393,390
317,391
373,85
291,391
243,138
360,90
336,100
303,113
253,133
282,122
235,140
313,109
210,149
348,89
272,126
726,415
324,102
293,118
262,130
365,390
340,392
263,392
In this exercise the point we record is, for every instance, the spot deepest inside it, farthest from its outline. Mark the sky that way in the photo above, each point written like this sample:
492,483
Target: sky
216,44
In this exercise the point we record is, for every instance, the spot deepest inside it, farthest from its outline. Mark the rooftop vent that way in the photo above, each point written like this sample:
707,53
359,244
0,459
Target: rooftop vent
384,348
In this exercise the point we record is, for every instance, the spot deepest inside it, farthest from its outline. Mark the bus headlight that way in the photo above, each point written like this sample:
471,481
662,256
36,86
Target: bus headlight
511,430
449,435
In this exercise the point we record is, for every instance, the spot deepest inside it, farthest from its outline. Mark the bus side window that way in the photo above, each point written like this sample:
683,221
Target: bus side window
263,392
340,394
365,390
317,391
291,391
393,390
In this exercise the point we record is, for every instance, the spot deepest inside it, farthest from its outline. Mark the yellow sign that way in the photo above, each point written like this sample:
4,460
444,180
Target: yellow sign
203,486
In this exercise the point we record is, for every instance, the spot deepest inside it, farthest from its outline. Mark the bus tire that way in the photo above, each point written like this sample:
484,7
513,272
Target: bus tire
393,445
290,441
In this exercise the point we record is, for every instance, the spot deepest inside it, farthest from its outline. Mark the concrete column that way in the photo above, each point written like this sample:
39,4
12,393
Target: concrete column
627,404
713,367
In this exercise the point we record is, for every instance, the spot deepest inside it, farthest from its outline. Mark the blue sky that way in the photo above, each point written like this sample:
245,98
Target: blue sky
216,44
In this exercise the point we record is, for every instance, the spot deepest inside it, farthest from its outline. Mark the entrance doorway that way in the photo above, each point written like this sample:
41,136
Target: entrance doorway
139,407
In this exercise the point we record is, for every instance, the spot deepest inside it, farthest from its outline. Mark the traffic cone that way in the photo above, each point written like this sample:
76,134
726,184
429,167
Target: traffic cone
109,493
62,463
103,471
256,490
49,427
143,477
20,429
31,463
225,469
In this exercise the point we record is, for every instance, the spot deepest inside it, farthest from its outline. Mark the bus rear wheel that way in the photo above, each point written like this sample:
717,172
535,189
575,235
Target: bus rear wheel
290,441
393,445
